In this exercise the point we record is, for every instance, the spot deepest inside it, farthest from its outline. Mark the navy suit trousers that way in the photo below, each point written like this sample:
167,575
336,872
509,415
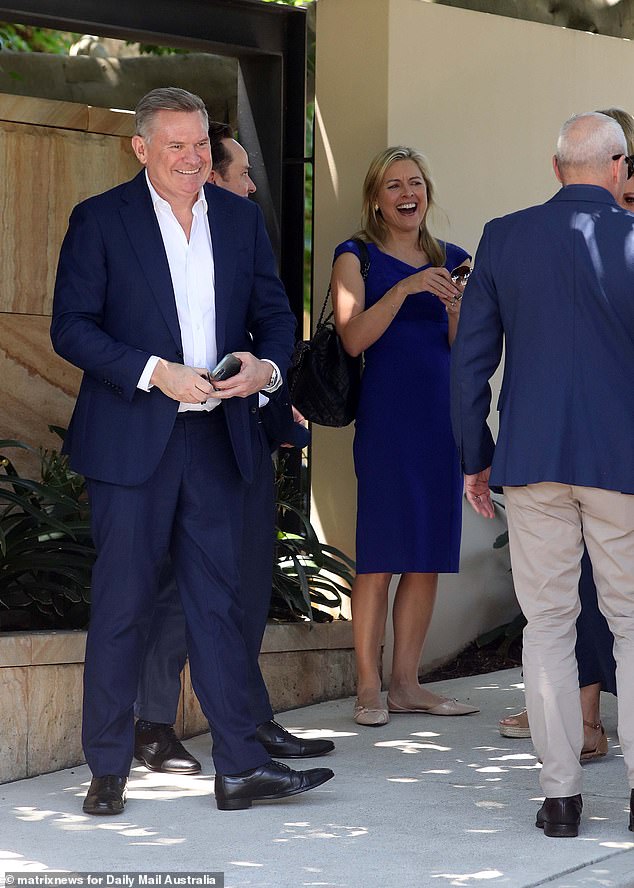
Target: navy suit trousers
166,649
192,509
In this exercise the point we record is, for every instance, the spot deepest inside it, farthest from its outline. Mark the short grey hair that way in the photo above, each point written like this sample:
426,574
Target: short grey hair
589,140
168,98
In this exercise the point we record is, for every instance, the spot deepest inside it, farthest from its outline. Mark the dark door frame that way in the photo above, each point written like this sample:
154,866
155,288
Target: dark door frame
269,42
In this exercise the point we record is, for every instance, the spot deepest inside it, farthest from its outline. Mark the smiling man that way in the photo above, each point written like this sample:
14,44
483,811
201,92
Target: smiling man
155,743
157,280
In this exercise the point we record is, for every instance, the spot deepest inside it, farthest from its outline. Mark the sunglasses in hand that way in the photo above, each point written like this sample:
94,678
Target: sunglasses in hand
460,276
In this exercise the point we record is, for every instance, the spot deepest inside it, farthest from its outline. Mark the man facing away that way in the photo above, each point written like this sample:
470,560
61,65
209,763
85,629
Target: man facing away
155,743
554,284
157,280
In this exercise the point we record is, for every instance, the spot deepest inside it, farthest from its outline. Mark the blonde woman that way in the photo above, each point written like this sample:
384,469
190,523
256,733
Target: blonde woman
403,318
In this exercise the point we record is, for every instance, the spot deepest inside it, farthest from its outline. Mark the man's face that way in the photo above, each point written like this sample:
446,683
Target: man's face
176,155
236,177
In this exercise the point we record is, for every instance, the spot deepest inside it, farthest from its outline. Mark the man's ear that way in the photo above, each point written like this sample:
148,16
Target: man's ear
138,146
617,172
212,176
557,170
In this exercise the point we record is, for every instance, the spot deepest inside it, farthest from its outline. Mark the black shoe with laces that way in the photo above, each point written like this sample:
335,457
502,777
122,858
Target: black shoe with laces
106,795
273,780
279,743
159,749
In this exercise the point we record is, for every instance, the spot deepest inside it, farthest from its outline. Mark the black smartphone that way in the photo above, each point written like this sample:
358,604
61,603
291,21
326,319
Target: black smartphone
229,366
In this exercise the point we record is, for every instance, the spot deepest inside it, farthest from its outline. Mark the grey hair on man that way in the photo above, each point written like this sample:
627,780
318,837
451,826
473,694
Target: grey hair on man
168,98
589,141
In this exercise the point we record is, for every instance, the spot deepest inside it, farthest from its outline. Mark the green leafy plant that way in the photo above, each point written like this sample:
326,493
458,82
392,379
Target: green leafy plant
27,38
310,579
46,551
506,639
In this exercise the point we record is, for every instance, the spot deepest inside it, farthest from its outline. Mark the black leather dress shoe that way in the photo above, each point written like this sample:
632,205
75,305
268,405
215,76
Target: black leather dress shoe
271,781
279,743
631,827
106,795
159,749
559,818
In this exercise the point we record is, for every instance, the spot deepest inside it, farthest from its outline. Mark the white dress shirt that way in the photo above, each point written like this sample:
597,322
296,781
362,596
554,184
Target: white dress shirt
191,265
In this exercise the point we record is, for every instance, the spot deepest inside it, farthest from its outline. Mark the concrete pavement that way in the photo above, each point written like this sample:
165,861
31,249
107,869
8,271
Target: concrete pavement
425,802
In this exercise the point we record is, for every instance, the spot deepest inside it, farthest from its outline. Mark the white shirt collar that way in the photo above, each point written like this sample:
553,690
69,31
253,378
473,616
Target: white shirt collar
161,203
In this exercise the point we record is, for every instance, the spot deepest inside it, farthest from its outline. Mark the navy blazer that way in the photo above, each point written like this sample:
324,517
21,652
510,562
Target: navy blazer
114,307
554,285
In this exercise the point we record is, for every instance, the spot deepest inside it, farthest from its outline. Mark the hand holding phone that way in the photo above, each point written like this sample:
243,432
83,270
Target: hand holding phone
225,369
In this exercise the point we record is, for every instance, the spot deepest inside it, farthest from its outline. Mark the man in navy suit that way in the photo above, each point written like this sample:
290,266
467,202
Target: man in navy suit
157,280
155,742
554,285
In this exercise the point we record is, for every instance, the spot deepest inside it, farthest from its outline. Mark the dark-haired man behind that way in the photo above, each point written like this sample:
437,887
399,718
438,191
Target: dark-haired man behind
230,162
156,744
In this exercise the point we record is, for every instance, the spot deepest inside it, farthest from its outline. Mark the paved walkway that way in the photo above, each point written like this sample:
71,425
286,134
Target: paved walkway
425,802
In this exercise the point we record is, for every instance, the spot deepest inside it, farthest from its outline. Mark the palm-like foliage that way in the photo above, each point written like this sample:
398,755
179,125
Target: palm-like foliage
308,575
46,551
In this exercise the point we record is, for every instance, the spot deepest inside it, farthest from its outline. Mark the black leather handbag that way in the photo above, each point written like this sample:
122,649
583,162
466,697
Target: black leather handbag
324,380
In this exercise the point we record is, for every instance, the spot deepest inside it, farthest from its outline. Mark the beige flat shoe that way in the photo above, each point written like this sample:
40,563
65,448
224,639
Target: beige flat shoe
447,707
515,726
370,718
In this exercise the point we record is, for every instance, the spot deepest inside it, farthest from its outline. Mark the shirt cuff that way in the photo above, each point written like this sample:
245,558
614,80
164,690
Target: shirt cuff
144,381
276,379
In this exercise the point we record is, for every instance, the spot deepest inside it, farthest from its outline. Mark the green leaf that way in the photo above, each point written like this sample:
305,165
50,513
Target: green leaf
11,442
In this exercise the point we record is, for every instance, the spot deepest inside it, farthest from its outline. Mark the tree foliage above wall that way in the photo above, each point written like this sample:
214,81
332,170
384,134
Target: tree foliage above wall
26,38
614,18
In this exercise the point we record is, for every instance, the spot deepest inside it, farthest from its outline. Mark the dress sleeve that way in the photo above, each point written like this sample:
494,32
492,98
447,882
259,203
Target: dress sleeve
348,246
455,256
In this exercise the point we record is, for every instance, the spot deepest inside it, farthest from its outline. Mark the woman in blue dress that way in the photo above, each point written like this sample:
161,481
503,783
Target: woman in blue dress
403,318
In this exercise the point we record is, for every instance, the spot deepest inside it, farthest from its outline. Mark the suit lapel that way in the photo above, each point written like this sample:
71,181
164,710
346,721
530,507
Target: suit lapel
223,239
143,230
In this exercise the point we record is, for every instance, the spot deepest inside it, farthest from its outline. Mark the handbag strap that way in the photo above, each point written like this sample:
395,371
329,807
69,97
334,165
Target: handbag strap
364,260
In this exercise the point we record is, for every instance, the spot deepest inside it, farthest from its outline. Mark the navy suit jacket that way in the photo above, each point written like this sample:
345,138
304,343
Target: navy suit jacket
114,307
554,285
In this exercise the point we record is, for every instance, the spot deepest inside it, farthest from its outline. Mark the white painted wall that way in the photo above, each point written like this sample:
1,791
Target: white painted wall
483,97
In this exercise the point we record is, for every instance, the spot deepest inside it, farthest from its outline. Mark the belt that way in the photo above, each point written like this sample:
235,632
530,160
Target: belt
191,416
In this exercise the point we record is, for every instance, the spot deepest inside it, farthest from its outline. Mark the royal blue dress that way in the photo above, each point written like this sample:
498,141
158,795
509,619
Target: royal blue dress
409,504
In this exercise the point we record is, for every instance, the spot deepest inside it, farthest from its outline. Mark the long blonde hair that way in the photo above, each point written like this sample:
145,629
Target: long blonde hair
373,227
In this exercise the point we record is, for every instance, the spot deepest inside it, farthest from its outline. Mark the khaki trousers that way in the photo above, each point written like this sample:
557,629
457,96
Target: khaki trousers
548,523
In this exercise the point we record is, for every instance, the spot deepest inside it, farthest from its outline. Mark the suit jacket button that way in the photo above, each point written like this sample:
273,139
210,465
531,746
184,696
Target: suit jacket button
253,409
